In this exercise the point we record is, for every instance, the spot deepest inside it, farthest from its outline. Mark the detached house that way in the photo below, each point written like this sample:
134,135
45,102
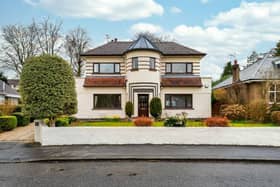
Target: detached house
137,71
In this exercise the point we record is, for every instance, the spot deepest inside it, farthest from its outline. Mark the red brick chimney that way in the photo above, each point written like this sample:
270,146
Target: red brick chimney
235,72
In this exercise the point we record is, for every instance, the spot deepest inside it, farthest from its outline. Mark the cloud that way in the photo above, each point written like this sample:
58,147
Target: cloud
101,9
204,1
146,27
175,10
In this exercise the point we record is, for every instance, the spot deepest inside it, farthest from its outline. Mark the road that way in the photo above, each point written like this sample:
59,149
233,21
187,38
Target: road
141,173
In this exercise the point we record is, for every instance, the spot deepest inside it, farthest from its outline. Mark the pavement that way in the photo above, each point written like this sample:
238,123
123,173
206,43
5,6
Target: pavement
19,134
11,152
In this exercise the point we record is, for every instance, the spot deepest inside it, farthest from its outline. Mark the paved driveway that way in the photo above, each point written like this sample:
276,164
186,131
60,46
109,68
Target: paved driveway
19,134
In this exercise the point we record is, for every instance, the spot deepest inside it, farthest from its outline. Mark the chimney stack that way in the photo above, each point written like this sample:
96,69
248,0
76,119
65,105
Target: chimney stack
235,72
116,39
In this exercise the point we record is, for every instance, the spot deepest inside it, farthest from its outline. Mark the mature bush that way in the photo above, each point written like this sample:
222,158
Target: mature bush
47,87
275,107
8,123
72,119
129,109
7,108
62,122
156,107
234,112
275,117
176,121
217,122
258,110
22,120
220,95
143,122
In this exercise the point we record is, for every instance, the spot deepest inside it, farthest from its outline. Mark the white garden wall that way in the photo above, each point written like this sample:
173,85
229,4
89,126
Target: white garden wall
157,135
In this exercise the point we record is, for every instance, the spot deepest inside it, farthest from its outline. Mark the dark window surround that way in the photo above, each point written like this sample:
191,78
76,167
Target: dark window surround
152,66
186,95
115,72
135,67
102,108
171,71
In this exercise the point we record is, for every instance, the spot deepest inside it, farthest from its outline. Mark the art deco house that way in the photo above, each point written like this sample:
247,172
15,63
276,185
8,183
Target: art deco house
137,71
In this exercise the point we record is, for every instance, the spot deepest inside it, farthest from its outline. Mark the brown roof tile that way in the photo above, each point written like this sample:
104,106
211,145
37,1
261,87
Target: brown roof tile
181,82
104,81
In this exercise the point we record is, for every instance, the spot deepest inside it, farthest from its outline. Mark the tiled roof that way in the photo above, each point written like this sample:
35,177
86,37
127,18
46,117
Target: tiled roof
113,81
261,70
181,82
120,47
6,90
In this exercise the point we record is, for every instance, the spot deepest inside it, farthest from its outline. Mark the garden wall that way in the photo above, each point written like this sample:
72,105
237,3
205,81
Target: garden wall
157,135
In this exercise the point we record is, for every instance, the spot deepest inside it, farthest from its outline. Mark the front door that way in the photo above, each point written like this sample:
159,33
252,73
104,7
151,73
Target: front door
143,105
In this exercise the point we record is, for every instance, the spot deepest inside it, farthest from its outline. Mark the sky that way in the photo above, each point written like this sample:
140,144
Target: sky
220,28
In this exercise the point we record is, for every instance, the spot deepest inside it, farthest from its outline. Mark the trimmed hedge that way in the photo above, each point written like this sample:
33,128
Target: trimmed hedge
8,123
22,120
129,109
62,122
156,107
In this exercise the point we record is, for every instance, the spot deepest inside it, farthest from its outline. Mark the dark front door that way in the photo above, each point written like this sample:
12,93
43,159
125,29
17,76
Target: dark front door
143,105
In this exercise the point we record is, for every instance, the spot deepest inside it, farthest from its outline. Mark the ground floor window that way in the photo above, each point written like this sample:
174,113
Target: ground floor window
178,101
107,101
274,93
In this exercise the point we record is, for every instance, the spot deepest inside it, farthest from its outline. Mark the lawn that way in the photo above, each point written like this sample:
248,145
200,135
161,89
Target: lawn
190,123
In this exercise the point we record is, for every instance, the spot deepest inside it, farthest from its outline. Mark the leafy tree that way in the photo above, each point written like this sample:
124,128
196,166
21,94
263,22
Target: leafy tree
129,109
156,107
47,87
76,42
227,70
277,53
3,78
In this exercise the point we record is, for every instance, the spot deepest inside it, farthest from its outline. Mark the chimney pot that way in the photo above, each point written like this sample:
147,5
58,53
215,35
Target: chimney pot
116,39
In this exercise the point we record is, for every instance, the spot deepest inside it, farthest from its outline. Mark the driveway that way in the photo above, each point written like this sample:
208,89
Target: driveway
19,134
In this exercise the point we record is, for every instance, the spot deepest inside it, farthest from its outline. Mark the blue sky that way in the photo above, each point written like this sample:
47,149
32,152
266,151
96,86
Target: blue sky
217,27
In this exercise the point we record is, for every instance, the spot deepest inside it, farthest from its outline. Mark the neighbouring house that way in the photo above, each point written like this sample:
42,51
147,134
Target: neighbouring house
14,83
137,71
258,81
8,94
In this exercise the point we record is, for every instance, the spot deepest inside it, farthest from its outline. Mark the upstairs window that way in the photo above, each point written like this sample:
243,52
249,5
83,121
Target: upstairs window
135,63
179,68
152,63
274,93
106,68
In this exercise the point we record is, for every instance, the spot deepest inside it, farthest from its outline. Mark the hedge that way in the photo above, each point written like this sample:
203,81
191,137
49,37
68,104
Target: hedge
8,123
22,120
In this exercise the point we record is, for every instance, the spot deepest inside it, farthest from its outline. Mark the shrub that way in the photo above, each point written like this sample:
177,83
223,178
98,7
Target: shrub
7,109
129,109
220,95
234,112
156,107
47,87
72,119
275,117
18,108
22,120
8,123
143,121
62,122
217,122
258,110
176,121
275,107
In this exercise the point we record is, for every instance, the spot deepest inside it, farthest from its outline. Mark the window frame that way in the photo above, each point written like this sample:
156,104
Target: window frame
178,108
114,68
134,68
174,63
152,63
274,92
105,108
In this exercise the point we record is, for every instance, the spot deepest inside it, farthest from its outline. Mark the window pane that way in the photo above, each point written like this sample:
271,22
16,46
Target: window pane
178,101
272,87
135,63
278,87
167,101
107,101
178,68
95,68
117,68
272,97
278,97
189,68
106,68
152,63
168,68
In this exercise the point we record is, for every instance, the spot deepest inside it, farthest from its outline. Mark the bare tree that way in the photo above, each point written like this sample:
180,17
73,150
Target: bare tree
48,36
153,37
19,43
76,42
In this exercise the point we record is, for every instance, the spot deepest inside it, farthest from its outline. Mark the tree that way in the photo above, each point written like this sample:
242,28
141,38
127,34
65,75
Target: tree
3,78
152,37
277,52
76,42
19,43
156,107
129,109
252,58
47,88
227,70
